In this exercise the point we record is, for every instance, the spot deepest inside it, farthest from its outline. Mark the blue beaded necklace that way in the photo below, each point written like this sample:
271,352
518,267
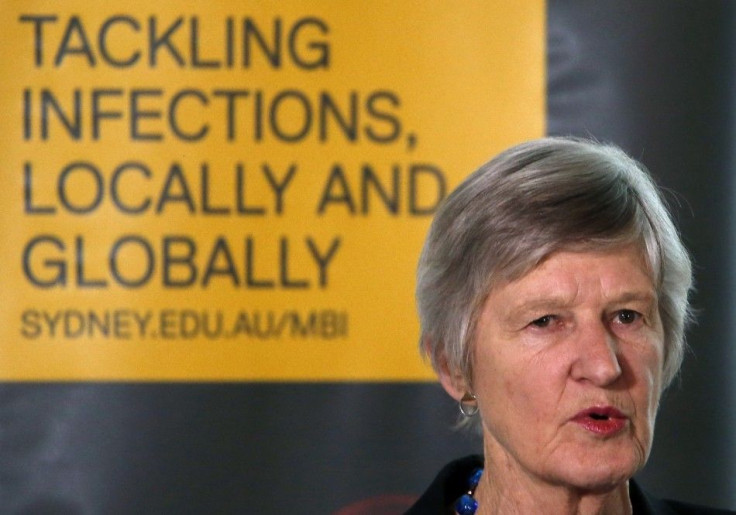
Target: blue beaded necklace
466,504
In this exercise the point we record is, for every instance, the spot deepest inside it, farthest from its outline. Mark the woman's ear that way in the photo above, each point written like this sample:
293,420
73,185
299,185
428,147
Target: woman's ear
453,381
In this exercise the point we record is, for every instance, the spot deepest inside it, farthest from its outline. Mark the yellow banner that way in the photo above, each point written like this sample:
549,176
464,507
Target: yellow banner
240,190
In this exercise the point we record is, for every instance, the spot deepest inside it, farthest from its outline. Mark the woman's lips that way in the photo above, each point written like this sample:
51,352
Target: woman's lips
604,421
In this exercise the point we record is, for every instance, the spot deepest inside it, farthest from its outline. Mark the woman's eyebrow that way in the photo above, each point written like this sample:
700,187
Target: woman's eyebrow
538,304
648,296
553,302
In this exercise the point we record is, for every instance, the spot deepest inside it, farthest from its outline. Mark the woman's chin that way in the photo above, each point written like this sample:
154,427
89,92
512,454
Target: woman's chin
599,476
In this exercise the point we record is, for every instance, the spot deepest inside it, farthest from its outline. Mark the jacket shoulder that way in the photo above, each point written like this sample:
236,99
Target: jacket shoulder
646,504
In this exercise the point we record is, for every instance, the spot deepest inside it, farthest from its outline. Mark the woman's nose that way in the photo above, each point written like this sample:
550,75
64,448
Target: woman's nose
596,356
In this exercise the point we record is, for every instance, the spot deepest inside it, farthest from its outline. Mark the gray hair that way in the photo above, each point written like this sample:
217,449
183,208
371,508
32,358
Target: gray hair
534,199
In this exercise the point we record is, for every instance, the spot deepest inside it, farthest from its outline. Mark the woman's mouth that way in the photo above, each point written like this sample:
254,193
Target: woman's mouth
604,420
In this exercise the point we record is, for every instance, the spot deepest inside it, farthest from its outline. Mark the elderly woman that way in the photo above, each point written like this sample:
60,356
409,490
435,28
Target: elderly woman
553,298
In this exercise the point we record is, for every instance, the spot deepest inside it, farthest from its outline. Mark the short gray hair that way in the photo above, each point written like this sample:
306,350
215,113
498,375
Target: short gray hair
534,199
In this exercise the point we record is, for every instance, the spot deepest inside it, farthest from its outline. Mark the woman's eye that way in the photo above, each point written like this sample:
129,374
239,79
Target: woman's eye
544,321
627,316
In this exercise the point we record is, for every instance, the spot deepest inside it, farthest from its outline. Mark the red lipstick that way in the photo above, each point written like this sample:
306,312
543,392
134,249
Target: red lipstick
603,420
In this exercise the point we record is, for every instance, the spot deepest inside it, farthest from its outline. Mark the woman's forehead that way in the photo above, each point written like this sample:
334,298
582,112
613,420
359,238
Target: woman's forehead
563,275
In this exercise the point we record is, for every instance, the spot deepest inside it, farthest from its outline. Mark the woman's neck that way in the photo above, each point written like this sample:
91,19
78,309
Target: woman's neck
504,492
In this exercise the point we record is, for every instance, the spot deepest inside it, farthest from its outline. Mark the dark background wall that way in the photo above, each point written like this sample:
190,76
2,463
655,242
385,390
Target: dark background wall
656,77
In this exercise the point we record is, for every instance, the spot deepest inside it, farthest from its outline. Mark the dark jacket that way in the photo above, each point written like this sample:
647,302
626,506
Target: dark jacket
451,483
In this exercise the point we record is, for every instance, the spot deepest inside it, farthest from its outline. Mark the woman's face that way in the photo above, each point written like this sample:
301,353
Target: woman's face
568,369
